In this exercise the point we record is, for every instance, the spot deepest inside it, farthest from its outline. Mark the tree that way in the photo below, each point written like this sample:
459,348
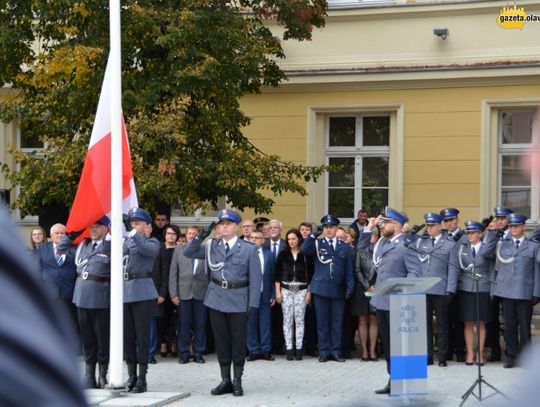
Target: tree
185,65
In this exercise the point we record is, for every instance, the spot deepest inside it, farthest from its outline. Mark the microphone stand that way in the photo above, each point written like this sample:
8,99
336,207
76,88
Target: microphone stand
480,379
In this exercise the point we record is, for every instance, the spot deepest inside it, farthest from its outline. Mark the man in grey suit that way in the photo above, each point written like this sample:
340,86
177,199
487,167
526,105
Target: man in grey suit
517,283
92,297
233,292
188,282
392,258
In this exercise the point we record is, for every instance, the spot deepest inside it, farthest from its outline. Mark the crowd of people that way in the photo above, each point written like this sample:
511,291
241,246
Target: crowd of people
250,290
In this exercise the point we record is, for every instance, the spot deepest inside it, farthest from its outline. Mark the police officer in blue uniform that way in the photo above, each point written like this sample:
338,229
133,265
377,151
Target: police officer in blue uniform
434,251
92,297
234,291
391,258
140,294
332,283
518,282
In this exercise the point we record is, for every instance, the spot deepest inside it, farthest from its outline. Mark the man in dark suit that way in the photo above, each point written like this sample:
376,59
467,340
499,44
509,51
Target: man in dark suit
275,245
92,297
188,282
234,291
259,338
58,273
332,283
391,258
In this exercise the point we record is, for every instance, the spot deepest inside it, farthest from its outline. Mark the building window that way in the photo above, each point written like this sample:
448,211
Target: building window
359,145
517,180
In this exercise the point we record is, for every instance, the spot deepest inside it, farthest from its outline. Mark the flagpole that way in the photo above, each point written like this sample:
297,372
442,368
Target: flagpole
117,317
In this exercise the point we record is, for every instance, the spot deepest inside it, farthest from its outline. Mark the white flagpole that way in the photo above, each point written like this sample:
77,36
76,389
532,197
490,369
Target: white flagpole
117,306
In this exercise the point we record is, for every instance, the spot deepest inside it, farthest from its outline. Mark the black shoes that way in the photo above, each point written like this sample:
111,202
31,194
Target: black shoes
336,358
510,363
89,380
290,354
198,359
384,390
152,360
430,361
140,386
460,358
323,359
223,388
442,363
183,360
298,354
102,379
238,391
267,356
252,357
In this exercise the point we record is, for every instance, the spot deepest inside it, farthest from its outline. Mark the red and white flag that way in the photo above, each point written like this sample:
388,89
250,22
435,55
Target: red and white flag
93,198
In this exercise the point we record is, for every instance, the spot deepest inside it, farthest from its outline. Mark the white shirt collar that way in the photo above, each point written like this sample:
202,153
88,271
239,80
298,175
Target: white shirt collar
231,242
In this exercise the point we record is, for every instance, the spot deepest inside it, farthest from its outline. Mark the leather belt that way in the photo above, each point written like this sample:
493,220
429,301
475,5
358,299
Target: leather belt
227,285
85,275
130,276
294,287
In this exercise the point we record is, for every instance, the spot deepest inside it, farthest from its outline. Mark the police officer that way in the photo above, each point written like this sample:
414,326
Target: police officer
472,261
234,291
493,327
433,251
391,258
518,281
332,283
456,340
140,294
92,297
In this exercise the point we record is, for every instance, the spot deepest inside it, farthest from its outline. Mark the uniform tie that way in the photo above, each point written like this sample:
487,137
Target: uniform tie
94,245
59,258
517,244
331,241
473,252
433,241
227,248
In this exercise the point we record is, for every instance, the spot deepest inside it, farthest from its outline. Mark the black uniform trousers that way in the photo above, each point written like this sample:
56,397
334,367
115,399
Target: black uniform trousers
517,319
310,331
95,334
437,304
230,333
383,323
493,328
456,328
72,324
137,318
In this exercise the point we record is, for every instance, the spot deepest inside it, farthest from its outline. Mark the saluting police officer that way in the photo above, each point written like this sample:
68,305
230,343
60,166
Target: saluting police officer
518,282
434,251
234,291
140,294
456,340
332,283
391,258
92,297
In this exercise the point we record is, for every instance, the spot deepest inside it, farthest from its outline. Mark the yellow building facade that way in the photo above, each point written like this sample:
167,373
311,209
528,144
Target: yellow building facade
425,105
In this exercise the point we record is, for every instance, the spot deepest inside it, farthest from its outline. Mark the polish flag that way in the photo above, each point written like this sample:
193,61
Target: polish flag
93,198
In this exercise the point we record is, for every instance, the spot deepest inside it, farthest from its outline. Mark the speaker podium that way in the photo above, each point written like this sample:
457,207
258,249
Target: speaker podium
408,333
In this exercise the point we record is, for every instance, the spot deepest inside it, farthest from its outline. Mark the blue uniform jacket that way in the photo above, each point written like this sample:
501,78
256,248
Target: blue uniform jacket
339,281
435,263
519,279
88,293
141,253
241,265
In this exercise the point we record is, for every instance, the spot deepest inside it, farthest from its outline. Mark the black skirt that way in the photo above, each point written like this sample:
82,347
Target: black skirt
360,303
466,303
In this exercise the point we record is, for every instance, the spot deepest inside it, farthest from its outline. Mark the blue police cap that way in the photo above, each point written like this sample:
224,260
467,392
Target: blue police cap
328,220
473,226
432,218
516,219
392,214
230,215
139,214
502,211
104,221
449,213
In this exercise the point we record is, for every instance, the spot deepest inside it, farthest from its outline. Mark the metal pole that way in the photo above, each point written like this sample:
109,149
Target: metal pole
117,317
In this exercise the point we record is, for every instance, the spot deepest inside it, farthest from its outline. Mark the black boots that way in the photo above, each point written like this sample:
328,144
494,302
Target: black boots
225,386
298,354
237,382
140,386
132,376
102,379
290,354
89,380
384,390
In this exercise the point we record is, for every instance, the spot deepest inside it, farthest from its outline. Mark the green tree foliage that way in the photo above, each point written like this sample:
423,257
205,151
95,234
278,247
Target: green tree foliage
185,65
